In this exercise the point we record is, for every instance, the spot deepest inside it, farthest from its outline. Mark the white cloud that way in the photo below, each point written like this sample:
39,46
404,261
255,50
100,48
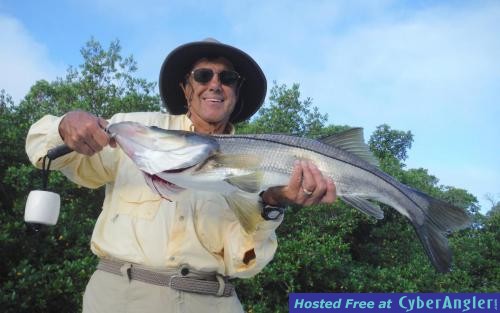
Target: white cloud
424,60
23,60
432,69
435,73
428,67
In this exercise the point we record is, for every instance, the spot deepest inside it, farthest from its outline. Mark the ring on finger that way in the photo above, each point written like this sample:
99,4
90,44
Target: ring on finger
307,192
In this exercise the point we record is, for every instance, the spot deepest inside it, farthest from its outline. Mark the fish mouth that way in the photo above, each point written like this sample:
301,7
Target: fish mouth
161,186
179,170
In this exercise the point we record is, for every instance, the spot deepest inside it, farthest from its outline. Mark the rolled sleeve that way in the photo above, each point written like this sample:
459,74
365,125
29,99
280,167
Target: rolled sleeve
91,172
42,136
262,243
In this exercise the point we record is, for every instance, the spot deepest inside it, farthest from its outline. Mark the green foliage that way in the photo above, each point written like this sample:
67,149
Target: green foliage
386,142
102,85
495,205
313,256
47,271
286,113
324,248
338,249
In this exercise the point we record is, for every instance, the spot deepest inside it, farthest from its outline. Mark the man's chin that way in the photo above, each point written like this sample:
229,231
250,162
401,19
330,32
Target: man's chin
216,117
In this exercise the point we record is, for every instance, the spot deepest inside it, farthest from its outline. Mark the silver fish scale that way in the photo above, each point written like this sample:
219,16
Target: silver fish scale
278,153
274,155
301,148
288,142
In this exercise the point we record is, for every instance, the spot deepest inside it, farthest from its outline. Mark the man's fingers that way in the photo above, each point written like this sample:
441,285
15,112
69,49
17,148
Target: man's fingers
323,189
295,178
307,186
84,132
96,139
331,192
85,149
319,181
100,139
102,123
308,180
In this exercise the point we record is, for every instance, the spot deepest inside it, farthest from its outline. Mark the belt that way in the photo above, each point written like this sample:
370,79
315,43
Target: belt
182,279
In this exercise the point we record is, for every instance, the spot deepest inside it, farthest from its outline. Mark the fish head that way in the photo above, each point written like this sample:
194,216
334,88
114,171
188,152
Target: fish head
155,150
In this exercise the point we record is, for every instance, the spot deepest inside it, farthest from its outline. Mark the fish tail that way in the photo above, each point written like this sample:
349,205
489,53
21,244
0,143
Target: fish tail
440,219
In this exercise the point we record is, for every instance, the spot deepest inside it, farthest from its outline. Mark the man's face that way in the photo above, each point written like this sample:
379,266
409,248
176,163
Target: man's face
212,102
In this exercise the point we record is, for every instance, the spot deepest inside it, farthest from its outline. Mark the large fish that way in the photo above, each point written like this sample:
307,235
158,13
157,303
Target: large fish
239,165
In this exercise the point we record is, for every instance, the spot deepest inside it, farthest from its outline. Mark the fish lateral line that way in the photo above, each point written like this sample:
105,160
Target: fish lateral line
369,168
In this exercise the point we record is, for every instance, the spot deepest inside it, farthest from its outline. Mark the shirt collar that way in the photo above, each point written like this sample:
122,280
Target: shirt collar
188,125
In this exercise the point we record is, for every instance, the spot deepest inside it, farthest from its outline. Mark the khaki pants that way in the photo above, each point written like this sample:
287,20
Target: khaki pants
108,292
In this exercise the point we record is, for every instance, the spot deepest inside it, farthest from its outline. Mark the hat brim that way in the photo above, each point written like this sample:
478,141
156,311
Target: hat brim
179,62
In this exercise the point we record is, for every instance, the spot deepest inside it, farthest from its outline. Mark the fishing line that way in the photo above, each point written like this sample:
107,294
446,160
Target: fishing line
45,172
35,227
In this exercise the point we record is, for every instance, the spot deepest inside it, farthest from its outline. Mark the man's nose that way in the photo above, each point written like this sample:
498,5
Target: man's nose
215,83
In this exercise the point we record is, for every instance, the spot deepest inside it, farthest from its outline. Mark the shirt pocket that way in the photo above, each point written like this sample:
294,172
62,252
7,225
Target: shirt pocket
133,196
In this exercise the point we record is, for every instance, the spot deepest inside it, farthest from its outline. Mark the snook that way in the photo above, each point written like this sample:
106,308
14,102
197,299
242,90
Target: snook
239,165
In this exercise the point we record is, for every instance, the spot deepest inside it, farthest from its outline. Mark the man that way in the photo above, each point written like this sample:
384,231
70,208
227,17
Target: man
158,255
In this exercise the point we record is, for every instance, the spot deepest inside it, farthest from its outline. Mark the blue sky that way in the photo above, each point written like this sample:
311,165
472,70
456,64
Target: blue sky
432,67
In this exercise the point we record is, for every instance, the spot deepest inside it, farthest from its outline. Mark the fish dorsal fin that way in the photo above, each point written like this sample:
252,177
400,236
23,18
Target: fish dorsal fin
352,141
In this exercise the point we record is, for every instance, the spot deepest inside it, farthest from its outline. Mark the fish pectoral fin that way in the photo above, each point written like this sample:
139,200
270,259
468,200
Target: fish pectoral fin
246,208
248,183
351,141
365,206
242,161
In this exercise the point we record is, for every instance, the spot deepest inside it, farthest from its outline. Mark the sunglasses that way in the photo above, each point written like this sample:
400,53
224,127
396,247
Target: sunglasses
226,77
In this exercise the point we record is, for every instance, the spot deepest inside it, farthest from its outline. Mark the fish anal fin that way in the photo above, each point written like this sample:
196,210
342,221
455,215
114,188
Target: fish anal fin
248,183
365,206
352,141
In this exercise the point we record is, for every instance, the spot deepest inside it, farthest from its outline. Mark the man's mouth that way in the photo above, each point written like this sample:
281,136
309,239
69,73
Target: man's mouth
217,100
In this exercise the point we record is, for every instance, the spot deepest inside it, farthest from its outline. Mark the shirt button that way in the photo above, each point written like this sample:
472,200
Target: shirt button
171,258
181,218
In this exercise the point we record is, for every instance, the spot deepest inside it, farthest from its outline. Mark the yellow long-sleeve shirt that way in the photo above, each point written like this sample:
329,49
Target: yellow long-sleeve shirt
137,225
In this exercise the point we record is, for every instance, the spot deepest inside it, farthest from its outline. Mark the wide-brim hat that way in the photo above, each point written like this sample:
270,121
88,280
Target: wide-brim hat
179,62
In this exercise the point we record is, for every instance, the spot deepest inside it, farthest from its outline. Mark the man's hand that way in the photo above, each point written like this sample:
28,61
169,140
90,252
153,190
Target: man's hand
307,186
84,132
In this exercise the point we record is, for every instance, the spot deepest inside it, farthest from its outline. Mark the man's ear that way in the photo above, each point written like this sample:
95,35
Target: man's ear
238,88
185,90
183,87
